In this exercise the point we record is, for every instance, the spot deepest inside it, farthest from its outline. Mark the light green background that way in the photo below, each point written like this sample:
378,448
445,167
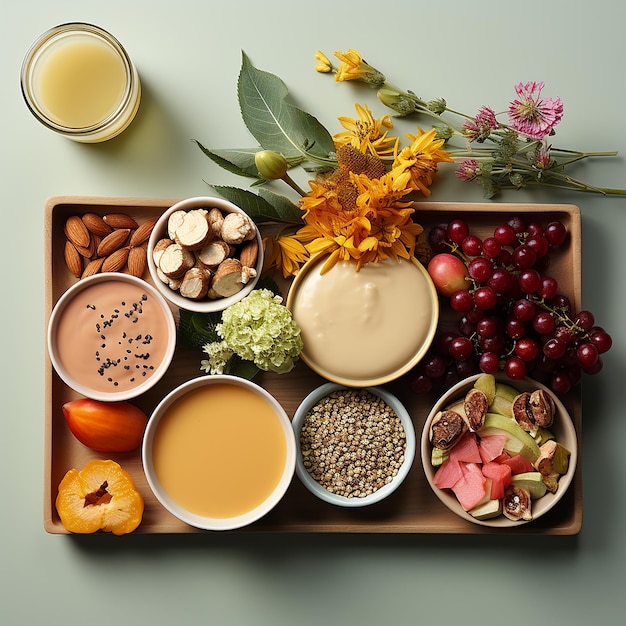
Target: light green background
188,55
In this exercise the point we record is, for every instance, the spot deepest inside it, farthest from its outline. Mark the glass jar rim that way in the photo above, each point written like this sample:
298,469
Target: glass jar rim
30,61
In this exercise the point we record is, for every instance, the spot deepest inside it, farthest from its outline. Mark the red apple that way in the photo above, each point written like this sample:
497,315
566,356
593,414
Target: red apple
449,274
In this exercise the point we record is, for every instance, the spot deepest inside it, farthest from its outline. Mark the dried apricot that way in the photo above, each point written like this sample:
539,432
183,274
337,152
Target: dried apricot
101,496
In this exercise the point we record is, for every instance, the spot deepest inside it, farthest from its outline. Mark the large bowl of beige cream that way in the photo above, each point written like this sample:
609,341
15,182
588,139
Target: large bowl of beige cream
368,327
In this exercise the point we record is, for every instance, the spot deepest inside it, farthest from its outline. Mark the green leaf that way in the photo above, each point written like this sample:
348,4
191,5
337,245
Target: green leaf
197,329
259,209
276,124
267,282
237,161
289,212
237,366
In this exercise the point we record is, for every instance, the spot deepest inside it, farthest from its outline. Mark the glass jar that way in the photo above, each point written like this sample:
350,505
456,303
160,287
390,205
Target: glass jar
78,80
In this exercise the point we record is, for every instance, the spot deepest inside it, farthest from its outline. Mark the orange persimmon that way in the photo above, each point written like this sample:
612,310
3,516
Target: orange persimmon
106,426
101,496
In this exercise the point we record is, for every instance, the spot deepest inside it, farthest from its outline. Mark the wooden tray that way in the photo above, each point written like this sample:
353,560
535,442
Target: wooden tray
413,508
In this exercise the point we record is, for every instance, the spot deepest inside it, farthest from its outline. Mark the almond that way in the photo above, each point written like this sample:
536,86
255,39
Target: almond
137,261
249,253
93,267
115,261
96,225
73,259
112,242
142,232
86,252
76,232
120,220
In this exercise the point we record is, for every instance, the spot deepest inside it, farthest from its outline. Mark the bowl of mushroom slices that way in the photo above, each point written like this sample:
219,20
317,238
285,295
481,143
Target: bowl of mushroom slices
205,254
498,452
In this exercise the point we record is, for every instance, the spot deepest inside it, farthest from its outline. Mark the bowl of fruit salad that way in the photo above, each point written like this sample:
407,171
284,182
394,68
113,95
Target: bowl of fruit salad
499,452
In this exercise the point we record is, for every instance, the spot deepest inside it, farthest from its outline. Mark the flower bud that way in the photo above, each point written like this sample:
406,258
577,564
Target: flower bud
437,106
517,180
403,103
444,131
323,63
270,164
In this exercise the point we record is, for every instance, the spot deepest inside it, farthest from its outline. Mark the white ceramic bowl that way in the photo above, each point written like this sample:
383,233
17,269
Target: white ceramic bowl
61,325
315,487
205,305
279,422
563,429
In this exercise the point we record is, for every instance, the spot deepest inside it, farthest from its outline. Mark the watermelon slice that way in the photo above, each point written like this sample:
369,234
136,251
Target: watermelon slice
466,449
491,446
470,488
519,464
502,457
448,474
500,475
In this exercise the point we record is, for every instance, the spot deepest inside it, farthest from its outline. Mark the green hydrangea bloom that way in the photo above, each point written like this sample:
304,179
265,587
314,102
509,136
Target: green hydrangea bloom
219,354
260,329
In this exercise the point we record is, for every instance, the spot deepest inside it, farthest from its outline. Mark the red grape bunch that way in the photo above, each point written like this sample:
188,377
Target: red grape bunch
512,316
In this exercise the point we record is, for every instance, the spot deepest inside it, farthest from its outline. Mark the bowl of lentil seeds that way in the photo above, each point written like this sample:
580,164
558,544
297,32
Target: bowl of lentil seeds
355,446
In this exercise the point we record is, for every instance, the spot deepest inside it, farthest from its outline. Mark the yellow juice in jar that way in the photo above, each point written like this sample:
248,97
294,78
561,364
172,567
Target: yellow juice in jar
80,81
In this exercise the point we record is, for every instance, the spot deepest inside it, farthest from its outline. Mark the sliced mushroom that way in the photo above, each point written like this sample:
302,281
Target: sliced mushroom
516,504
446,429
475,406
195,283
175,261
236,228
227,279
159,248
216,219
173,222
213,253
193,231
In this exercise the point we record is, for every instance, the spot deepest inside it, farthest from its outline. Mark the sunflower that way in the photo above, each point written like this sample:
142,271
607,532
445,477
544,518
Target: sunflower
284,252
353,67
421,158
366,133
374,225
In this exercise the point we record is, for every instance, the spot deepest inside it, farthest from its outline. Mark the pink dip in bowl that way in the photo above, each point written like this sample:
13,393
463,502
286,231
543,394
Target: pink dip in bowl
111,337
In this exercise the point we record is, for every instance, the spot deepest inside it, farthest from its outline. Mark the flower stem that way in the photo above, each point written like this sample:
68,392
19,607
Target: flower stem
292,183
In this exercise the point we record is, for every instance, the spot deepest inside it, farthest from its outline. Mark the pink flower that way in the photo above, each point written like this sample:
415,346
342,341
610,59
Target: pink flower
468,169
479,128
532,115
542,158
486,117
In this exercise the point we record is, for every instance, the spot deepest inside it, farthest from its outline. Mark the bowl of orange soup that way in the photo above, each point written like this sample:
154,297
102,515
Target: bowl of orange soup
219,452
111,337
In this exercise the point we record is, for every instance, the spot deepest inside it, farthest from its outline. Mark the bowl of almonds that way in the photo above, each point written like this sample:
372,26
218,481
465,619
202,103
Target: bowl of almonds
205,254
